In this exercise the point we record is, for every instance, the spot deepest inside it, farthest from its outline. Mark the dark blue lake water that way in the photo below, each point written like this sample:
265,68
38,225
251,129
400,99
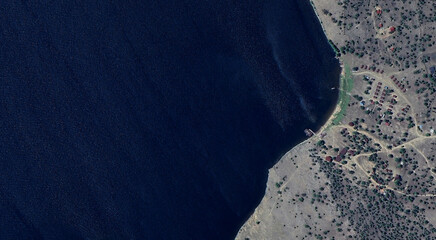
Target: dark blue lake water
151,119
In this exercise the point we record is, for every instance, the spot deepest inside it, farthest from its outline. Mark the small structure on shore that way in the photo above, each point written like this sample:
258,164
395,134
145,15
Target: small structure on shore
309,132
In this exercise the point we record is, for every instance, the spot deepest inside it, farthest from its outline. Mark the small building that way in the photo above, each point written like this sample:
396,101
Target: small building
392,29
329,159
343,152
378,10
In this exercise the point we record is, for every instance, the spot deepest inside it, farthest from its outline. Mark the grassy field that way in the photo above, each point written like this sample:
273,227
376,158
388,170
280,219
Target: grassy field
346,85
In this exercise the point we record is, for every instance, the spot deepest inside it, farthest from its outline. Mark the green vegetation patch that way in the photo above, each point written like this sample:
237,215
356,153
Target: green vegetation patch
346,85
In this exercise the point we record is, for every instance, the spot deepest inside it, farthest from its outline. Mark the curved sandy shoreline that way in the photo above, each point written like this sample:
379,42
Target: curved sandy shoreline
253,227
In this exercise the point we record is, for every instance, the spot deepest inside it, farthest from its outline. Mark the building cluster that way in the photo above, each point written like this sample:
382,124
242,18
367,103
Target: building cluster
404,111
372,68
398,83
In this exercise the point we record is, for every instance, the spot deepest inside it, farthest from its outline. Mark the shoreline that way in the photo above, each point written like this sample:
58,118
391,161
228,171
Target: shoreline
364,155
323,127
254,219
335,110
319,19
337,107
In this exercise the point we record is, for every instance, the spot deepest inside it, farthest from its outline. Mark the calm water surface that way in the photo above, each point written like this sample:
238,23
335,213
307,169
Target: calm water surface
151,119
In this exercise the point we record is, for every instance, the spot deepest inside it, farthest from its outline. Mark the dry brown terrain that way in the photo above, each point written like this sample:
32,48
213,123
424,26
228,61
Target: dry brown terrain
369,173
